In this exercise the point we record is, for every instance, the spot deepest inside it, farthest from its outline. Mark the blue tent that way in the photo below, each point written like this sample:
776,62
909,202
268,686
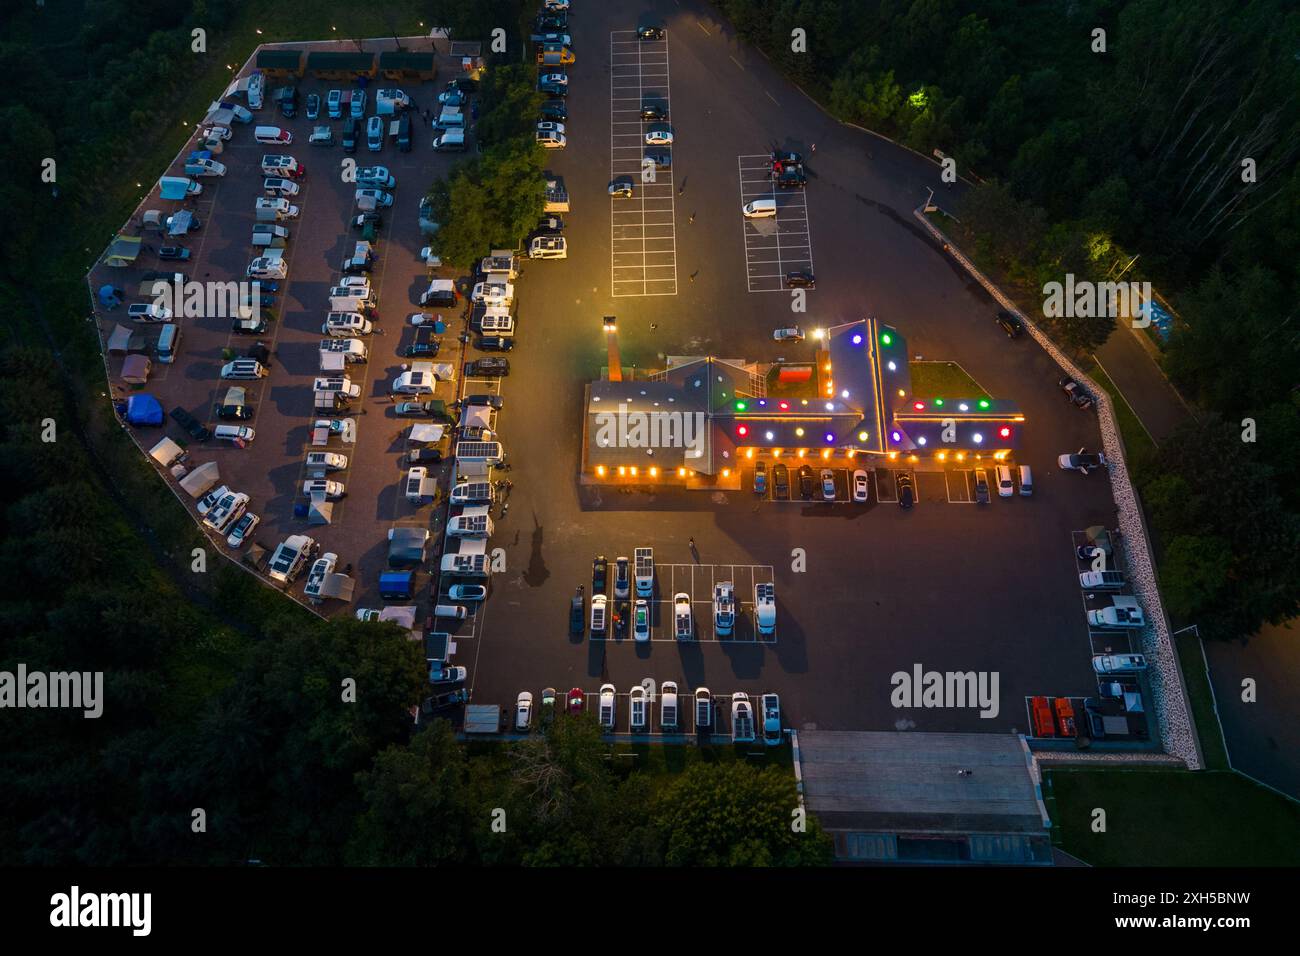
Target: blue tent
143,409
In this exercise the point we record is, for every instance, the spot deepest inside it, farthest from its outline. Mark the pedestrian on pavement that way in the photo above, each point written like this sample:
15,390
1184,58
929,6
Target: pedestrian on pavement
812,147
694,274
690,543
653,326
691,219
504,508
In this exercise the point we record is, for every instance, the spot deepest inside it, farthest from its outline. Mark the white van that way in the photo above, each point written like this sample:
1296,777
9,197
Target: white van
759,209
457,611
168,342
279,186
638,713
272,135
239,434
599,603
244,368
1026,482
668,706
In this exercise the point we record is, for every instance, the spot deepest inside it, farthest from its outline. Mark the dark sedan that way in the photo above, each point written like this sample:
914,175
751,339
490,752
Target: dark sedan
802,279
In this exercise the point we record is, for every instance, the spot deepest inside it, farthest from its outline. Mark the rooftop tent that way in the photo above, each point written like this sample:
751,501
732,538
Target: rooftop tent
429,434
135,370
320,512
143,409
201,479
123,251
166,452
174,187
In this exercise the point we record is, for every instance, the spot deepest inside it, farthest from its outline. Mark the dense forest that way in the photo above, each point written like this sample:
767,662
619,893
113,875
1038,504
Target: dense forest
1086,157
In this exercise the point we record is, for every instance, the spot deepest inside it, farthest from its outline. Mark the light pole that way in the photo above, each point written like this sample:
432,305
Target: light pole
610,325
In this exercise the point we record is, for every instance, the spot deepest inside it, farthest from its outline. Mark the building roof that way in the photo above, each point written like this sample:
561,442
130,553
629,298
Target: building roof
340,60
405,60
279,59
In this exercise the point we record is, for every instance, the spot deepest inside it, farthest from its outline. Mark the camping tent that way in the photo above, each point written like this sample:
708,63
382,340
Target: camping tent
135,370
201,479
320,511
124,341
473,415
400,614
166,452
338,586
123,251
143,409
429,434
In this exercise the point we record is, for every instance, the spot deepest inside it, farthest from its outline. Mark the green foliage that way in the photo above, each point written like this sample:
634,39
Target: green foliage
492,201
735,815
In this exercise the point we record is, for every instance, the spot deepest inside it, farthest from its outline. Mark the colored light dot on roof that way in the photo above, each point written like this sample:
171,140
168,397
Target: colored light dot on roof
977,437
799,432
919,406
857,340
984,403
862,436
829,436
1005,432
895,436
844,394
887,339
893,367
784,406
769,436
762,403
830,406
938,403
964,407
742,431
920,440
740,406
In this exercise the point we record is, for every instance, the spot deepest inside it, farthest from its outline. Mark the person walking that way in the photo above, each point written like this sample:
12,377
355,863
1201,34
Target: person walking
691,219
690,543
812,147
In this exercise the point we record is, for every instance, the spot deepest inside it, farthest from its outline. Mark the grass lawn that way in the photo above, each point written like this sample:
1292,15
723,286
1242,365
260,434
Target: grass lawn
1136,440
943,380
1201,700
1173,818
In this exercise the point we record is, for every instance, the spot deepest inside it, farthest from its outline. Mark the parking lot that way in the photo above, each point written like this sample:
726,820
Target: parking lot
777,246
863,589
643,232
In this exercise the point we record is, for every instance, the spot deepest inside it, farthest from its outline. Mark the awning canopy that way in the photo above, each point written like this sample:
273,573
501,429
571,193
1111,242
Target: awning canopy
426,433
338,586
166,452
123,251
135,370
320,511
201,479
119,342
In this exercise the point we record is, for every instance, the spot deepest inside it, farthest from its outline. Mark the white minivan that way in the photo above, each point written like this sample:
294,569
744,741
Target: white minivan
1006,487
759,209
1026,482
272,135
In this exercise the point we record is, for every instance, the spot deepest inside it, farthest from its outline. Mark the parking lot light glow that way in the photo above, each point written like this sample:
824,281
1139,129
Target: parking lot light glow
803,452
776,453
600,470
826,367
893,455
622,470
977,438
726,473
853,453
961,456
681,472
942,456
819,333
654,472
633,471
826,453
862,436
749,453
912,458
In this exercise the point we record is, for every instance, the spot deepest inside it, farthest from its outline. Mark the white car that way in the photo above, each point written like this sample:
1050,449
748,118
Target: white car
792,334
1006,487
264,267
242,530
467,592
375,134
355,282
607,695
357,108
551,140
377,197
859,485
211,498
828,485
641,620
149,312
524,710
368,613
377,176
215,132
546,126
553,79
334,104
659,136
1118,663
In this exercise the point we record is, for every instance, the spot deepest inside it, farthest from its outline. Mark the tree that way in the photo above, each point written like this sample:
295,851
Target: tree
416,809
730,814
1193,574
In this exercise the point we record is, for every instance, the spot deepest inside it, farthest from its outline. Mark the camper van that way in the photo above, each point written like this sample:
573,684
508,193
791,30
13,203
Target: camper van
643,571
497,321
268,236
352,351
269,209
471,523
452,140
476,566
668,706
272,135
169,341
473,493
488,452
759,209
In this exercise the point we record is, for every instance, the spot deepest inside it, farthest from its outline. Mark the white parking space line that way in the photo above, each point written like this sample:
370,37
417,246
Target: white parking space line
643,236
774,246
